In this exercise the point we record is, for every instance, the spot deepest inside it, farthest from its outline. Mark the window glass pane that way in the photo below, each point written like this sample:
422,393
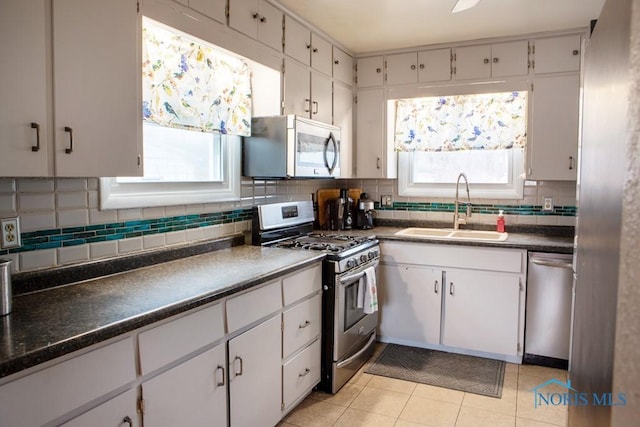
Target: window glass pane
179,155
443,167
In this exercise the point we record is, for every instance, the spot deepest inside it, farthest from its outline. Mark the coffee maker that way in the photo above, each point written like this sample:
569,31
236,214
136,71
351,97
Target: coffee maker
364,213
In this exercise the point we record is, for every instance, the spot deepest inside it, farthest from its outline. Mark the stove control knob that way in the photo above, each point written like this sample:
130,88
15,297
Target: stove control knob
371,254
352,263
363,258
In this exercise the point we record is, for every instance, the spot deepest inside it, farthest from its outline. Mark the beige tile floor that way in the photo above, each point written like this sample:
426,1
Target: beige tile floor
372,401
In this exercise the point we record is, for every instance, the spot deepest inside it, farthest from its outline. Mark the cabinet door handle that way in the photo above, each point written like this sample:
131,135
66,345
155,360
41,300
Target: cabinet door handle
238,372
36,126
315,49
304,373
422,66
316,109
255,15
436,287
495,60
570,162
337,61
378,163
127,420
220,368
308,45
304,325
450,288
575,52
263,19
486,60
70,132
307,105
413,66
378,70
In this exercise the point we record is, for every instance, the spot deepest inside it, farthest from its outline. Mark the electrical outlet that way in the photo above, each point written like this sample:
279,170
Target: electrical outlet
548,204
386,200
10,231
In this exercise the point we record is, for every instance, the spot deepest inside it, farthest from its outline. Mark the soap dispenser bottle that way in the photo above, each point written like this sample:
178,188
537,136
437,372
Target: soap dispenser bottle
500,222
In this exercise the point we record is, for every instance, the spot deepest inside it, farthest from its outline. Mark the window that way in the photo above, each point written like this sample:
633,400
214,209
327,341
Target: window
197,103
481,134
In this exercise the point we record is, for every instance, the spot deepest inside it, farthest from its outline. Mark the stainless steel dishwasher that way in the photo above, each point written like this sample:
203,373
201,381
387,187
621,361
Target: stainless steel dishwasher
548,310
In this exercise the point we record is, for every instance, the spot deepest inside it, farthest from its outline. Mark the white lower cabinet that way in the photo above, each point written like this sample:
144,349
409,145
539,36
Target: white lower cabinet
255,377
119,411
481,311
300,374
411,302
455,298
190,394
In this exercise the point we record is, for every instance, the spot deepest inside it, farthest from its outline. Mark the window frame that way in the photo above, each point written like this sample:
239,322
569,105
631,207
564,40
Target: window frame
517,167
115,195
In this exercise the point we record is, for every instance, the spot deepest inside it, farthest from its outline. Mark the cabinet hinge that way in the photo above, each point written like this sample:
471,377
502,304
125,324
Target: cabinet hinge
355,99
518,348
533,49
533,64
531,87
528,48
520,285
141,406
356,78
282,406
226,10
138,7
282,325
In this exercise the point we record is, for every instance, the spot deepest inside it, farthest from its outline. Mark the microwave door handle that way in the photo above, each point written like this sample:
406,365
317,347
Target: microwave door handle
331,139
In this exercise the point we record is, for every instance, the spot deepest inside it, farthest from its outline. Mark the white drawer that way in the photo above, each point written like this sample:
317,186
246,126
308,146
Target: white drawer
301,324
179,337
301,284
301,374
48,394
254,305
456,256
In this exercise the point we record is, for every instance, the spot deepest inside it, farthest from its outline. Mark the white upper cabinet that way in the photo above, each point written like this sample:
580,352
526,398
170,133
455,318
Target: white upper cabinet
215,9
553,148
424,66
297,88
321,54
257,19
23,84
370,71
434,65
297,40
343,117
342,67
557,54
402,68
321,98
497,60
97,88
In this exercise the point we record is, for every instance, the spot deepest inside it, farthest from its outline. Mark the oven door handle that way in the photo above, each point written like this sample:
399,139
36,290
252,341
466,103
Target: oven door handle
355,356
354,277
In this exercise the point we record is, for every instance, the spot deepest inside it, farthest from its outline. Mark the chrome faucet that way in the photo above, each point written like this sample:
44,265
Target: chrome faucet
456,214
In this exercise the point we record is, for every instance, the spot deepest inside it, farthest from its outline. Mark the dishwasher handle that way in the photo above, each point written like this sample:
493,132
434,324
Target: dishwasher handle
550,263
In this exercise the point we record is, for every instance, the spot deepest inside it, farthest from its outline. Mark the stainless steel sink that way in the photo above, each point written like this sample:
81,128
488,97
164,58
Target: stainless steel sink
451,234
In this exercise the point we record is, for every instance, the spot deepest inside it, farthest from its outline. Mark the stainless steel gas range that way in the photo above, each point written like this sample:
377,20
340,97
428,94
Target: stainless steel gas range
348,333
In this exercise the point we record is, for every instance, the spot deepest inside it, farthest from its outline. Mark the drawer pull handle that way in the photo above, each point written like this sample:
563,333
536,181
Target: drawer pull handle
305,373
220,368
70,132
127,420
36,126
436,287
450,288
570,162
304,325
238,372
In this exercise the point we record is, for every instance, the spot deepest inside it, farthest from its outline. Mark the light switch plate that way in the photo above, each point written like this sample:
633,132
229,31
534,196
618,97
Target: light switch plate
386,200
548,204
10,232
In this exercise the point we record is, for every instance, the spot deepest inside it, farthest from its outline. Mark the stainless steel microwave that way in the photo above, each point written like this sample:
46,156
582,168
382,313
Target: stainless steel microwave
291,147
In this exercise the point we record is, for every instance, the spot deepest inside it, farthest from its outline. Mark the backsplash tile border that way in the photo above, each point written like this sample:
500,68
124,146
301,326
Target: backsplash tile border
80,235
537,210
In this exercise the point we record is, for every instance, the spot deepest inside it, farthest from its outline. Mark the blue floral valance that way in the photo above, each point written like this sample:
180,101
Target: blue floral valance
187,84
462,122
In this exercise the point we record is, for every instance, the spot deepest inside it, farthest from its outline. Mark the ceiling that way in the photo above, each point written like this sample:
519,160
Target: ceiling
363,26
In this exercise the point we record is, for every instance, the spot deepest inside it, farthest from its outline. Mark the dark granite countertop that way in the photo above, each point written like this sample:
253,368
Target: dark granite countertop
51,323
528,241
